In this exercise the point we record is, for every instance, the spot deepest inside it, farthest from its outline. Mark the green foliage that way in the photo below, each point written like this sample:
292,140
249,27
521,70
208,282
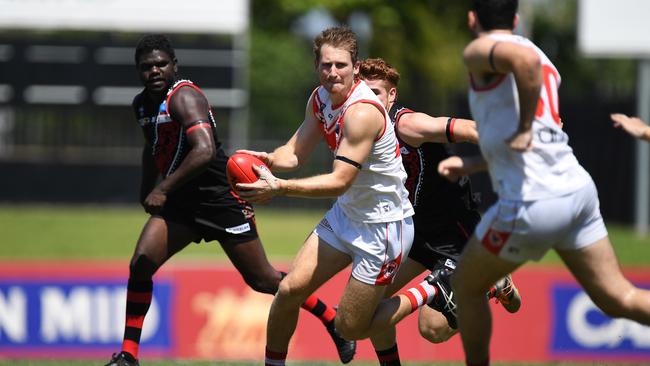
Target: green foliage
282,76
424,40
554,30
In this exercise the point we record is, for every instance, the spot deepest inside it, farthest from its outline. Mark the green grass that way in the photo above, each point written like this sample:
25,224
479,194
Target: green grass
96,232
83,232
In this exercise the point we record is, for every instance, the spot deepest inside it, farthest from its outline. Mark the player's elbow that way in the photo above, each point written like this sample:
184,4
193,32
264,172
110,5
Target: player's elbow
204,155
340,184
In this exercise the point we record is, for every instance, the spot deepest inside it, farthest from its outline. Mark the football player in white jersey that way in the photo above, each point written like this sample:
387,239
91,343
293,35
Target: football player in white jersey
546,199
369,225
632,125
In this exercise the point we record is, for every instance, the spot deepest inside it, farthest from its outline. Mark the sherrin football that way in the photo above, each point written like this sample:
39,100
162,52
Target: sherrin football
239,169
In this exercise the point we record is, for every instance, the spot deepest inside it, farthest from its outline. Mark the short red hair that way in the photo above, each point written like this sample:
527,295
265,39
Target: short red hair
378,69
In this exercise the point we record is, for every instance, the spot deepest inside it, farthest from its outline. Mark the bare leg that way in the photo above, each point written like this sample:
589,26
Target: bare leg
358,307
250,260
476,272
409,270
159,241
433,326
315,263
598,271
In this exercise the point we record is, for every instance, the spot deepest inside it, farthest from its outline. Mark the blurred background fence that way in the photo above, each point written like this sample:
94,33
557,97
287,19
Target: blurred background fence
67,132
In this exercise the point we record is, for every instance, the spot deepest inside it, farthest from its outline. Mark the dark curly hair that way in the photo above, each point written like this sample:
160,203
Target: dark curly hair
152,42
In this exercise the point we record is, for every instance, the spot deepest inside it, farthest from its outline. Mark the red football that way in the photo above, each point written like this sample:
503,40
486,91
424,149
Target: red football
239,169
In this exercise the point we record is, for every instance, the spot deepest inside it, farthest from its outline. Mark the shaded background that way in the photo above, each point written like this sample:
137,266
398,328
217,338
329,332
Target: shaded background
88,150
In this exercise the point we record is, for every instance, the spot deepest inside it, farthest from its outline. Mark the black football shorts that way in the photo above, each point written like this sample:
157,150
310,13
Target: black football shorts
223,217
438,241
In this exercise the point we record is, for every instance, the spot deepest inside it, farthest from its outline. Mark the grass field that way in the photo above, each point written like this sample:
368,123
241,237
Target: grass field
91,232
82,232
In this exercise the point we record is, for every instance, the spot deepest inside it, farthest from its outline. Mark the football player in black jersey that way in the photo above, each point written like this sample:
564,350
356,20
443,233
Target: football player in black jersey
445,212
185,190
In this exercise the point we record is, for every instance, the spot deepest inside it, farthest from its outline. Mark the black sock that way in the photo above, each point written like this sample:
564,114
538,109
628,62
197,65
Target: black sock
389,357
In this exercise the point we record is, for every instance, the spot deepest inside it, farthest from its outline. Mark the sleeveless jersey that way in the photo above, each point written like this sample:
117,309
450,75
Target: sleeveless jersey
550,169
434,198
377,194
169,144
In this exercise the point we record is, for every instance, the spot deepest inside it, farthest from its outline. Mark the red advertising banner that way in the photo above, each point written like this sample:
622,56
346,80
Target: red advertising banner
206,311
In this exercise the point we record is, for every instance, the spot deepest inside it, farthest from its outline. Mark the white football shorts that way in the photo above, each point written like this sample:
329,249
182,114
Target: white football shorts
525,230
377,249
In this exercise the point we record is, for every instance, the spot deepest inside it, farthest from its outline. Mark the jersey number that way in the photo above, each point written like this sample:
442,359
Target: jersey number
550,97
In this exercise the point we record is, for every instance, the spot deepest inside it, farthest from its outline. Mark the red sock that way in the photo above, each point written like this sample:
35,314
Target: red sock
421,294
138,300
315,306
275,358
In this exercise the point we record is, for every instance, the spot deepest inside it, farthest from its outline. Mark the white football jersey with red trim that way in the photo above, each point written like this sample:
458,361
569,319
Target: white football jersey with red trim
550,169
378,193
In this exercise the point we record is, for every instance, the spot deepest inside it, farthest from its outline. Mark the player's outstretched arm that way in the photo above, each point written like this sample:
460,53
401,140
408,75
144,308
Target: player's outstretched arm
418,128
297,150
632,125
455,167
362,124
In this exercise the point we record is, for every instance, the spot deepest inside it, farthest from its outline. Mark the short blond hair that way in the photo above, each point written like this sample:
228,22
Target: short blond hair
338,37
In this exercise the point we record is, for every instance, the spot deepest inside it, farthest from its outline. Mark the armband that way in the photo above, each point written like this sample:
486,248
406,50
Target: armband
349,161
196,125
491,57
449,130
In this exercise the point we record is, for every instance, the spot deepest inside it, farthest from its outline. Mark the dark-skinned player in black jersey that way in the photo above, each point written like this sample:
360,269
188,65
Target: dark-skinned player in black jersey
445,212
185,190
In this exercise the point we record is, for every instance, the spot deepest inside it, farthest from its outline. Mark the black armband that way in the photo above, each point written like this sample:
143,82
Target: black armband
449,130
349,161
491,57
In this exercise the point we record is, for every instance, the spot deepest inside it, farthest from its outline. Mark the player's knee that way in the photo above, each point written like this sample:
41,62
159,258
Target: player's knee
613,306
347,329
435,335
142,267
265,285
291,291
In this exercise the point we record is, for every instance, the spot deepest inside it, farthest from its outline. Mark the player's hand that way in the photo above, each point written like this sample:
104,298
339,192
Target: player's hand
155,201
266,187
521,141
263,156
632,125
452,168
